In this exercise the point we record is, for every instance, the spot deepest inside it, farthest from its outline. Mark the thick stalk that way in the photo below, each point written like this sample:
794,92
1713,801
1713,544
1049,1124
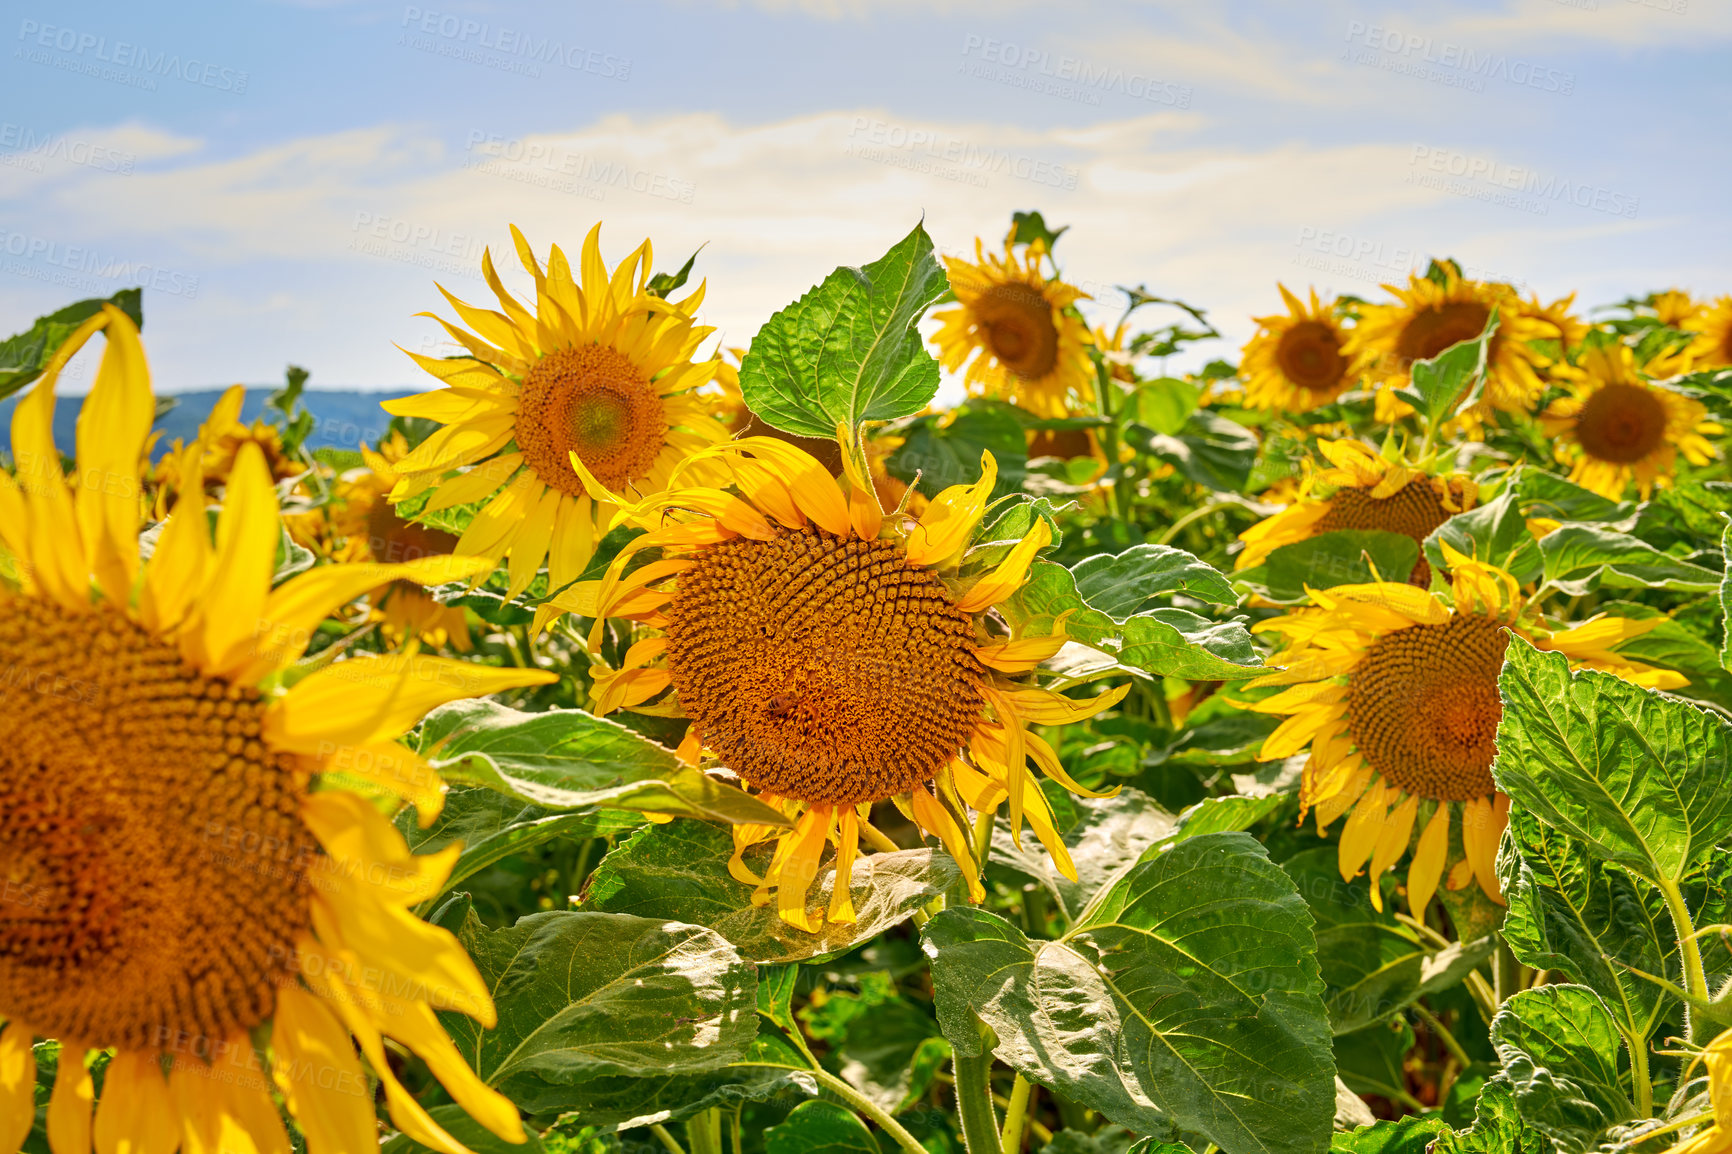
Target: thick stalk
863,1105
1015,1115
704,1132
1506,971
1690,952
667,1139
1639,1075
980,1133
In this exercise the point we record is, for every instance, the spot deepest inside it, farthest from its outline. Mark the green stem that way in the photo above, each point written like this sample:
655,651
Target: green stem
1015,1115
980,1133
1506,971
1196,514
1690,951
667,1139
1443,1035
704,1132
863,1105
1639,1075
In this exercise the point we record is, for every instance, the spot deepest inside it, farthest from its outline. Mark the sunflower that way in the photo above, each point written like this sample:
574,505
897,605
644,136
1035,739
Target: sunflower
1716,1137
1363,490
1297,362
831,658
1617,426
601,369
1021,329
1674,308
1712,325
1395,692
177,894
222,435
361,525
1428,317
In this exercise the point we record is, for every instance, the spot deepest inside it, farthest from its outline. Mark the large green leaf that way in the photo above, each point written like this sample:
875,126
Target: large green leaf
1209,449
820,1128
1581,558
1372,965
1118,584
1164,642
1339,557
567,759
1449,383
1546,494
1106,838
1413,1134
1497,1127
23,355
1186,997
1495,533
679,872
1560,1050
1587,920
848,351
1640,779
583,995
492,826
942,453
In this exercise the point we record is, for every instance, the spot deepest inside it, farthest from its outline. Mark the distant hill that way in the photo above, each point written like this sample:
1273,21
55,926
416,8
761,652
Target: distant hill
342,418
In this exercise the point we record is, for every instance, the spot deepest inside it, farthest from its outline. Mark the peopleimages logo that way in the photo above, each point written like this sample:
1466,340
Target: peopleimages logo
1069,76
86,51
24,148
1429,166
1417,52
76,265
461,33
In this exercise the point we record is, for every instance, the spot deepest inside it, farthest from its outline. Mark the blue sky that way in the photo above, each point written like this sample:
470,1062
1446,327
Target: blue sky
290,179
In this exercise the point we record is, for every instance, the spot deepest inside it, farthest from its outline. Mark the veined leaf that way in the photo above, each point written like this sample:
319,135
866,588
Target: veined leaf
1339,557
1572,913
679,872
1546,494
1497,1128
1107,837
820,1128
1640,779
1449,383
589,994
567,759
1187,997
1209,449
1578,559
1413,1134
1495,533
1118,584
1559,1049
848,351
944,453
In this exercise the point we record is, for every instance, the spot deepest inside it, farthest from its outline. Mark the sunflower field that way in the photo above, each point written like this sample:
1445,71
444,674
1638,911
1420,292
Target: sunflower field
654,746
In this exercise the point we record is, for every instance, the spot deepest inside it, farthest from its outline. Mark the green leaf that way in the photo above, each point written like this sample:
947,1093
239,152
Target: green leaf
1559,1049
583,995
820,1128
1587,920
1163,404
1549,495
1107,837
493,826
1165,642
455,1121
1497,1128
23,356
1339,557
1581,558
1370,1061
1413,1134
943,454
679,872
848,351
1495,533
1449,383
879,1052
1228,813
1028,227
1210,450
568,759
1118,584
1641,779
1186,998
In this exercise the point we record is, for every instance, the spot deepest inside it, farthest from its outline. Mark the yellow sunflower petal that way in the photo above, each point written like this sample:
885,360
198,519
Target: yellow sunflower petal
17,1087
943,530
1010,574
1392,842
112,427
70,1105
1428,860
320,1076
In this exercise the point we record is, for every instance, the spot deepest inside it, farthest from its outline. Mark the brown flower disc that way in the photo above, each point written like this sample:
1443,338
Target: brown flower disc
1019,328
1621,424
592,401
1423,707
1309,354
153,863
823,668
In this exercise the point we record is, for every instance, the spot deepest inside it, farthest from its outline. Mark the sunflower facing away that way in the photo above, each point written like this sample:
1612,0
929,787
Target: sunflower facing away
1616,427
176,891
1395,692
1362,490
1429,317
222,434
361,525
826,654
1297,362
1027,343
601,369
